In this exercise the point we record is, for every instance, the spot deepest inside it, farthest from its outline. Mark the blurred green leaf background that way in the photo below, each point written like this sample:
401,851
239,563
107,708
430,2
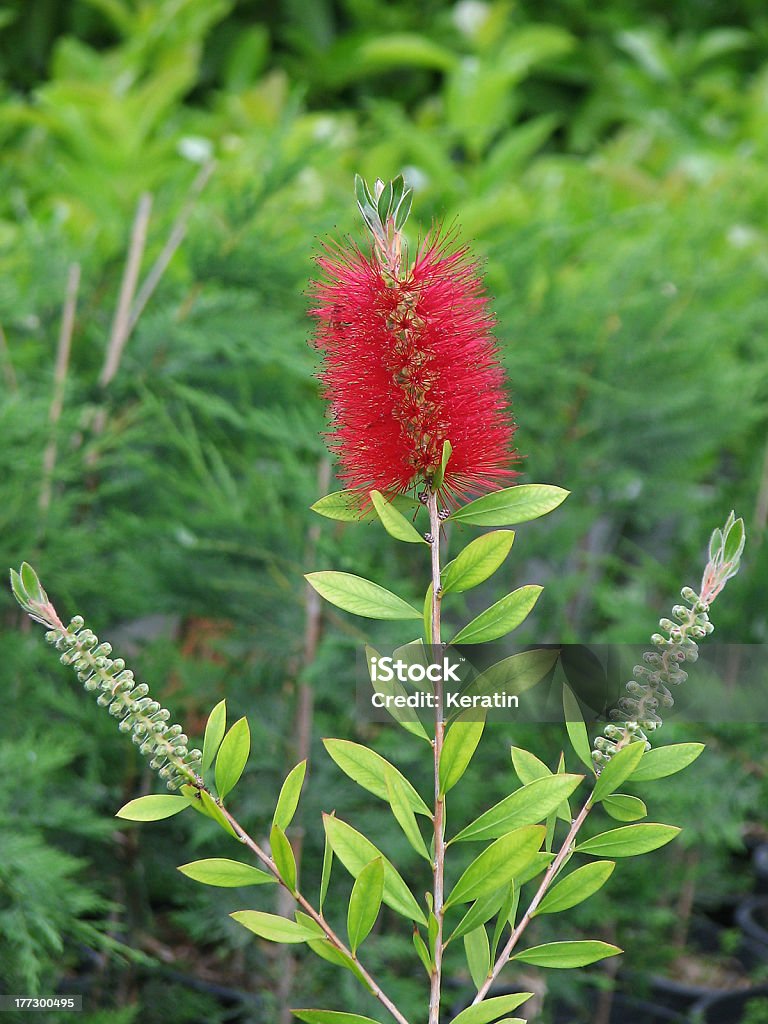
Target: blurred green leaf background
607,165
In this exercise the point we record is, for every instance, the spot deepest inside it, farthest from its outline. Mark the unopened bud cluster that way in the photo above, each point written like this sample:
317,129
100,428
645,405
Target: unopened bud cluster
647,694
130,703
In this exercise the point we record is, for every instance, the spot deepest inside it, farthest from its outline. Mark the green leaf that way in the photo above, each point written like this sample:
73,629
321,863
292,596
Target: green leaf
18,589
385,199
623,807
482,910
423,953
461,742
577,730
427,614
403,812
498,864
331,1017
347,506
325,877
152,808
365,902
733,544
506,917
404,716
477,561
214,733
664,761
478,953
511,505
355,852
272,927
618,770
527,766
369,770
212,810
31,584
501,618
516,674
404,208
288,800
325,949
282,855
225,873
489,1009
394,522
629,840
232,757
576,887
437,481
567,954
526,806
360,597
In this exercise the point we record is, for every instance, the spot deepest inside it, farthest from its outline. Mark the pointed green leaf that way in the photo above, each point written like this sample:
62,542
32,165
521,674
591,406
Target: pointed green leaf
288,800
282,855
385,200
526,806
403,210
331,1017
225,873
18,589
427,614
512,505
404,716
461,742
212,810
482,910
478,953
394,522
506,917
369,770
325,878
567,954
498,864
423,952
516,674
272,927
623,807
355,851
577,730
490,1009
733,544
348,507
618,770
437,480
664,761
31,584
365,902
214,734
527,766
403,812
501,618
232,757
576,887
325,949
360,597
152,808
629,841
479,560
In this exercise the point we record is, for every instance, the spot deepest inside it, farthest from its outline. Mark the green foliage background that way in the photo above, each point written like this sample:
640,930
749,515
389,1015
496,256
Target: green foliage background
606,162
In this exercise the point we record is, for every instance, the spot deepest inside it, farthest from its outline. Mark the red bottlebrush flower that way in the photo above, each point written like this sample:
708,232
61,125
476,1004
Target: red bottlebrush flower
410,361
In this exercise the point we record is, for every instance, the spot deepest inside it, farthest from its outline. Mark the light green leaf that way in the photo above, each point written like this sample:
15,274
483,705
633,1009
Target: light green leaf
618,770
152,808
31,584
526,806
478,953
423,953
733,544
232,757
282,855
527,766
461,742
272,927
629,840
577,730
516,674
477,561
355,851
360,597
325,877
501,618
403,812
325,949
427,614
664,761
331,1017
288,800
511,505
211,809
365,902
347,507
498,864
369,770
567,954
214,734
394,522
576,887
225,873
439,476
482,910
489,1009
623,807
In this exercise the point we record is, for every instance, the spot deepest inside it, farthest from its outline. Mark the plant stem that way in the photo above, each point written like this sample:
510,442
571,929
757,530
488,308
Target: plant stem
439,815
565,851
316,916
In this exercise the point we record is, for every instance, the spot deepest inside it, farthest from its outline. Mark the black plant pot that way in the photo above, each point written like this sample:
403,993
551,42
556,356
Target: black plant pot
731,1008
752,918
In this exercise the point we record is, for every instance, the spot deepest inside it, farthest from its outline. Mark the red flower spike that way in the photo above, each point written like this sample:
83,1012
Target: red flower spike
409,362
